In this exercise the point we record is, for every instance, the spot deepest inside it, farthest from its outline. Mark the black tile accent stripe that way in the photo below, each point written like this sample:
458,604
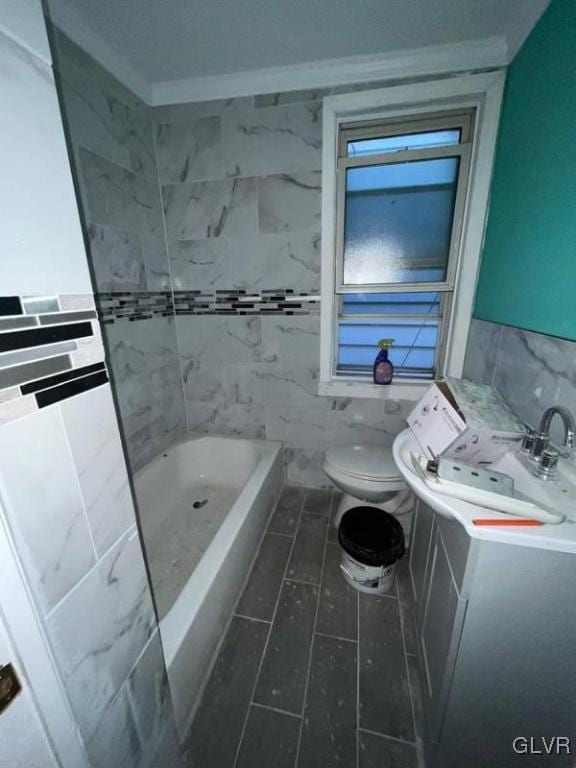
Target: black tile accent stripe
61,378
71,388
278,301
35,337
10,305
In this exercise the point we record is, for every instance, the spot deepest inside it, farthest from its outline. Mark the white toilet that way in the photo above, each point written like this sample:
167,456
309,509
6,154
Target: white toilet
368,473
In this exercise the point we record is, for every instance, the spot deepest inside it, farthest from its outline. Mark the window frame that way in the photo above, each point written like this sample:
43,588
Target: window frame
464,122
481,93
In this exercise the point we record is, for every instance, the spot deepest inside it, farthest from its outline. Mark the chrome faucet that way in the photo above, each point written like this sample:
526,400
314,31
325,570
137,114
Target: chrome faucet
567,421
537,446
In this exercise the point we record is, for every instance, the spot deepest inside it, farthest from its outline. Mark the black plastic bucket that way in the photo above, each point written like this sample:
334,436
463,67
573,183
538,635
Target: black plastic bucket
372,542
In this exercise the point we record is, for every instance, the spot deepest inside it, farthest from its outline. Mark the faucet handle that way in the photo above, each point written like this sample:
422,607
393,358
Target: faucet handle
549,459
548,464
541,441
527,444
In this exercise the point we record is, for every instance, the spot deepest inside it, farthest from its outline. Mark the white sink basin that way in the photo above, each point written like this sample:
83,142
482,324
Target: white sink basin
558,496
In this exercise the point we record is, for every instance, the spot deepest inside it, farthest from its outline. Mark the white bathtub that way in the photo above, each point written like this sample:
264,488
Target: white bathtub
248,475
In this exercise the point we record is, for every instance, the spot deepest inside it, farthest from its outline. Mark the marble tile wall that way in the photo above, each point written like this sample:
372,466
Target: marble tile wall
241,189
113,146
531,371
84,563
64,487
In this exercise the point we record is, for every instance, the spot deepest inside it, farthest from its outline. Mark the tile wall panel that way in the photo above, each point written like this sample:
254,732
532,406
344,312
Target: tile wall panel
64,490
113,143
531,371
47,515
97,652
242,205
70,509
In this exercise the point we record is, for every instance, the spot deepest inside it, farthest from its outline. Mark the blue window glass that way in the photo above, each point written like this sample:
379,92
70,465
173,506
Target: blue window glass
398,221
366,147
413,353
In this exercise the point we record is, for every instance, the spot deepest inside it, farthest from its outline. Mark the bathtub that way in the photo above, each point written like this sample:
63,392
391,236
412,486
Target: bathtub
234,484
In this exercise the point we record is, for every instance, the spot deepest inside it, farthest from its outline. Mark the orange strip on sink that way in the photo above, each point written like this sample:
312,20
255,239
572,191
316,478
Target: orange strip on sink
502,521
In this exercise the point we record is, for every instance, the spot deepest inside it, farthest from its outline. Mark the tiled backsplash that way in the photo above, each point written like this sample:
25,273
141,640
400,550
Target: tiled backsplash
50,350
531,371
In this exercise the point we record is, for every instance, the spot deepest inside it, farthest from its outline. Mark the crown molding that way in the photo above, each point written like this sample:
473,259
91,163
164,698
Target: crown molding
68,20
432,60
397,65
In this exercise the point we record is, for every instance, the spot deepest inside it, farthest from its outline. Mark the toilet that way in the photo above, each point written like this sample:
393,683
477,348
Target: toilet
368,473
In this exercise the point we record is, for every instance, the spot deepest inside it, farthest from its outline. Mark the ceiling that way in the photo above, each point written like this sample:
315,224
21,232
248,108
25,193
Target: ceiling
168,40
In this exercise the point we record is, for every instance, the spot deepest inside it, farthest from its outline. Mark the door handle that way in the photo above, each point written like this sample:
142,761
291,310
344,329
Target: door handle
10,686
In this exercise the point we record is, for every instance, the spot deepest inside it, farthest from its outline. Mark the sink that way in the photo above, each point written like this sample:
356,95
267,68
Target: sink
557,496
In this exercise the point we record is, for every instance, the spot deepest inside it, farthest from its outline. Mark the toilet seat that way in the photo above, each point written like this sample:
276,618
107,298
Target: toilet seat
364,462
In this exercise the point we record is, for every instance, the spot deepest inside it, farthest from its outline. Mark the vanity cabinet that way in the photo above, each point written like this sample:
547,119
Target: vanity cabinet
496,631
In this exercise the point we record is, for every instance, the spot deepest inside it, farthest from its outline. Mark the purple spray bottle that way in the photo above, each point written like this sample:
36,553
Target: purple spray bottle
383,370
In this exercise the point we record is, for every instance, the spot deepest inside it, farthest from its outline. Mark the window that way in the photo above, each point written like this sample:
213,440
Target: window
394,208
401,192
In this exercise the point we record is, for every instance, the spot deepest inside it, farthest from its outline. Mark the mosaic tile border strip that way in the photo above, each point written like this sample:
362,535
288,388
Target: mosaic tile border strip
244,302
133,305
143,305
50,349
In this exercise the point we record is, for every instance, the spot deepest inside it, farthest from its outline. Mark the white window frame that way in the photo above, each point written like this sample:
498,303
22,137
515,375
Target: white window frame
481,92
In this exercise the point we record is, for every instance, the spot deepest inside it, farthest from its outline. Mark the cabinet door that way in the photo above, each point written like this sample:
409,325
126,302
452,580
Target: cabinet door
420,552
440,632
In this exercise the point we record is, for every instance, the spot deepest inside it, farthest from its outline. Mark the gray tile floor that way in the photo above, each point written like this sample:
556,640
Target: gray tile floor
311,674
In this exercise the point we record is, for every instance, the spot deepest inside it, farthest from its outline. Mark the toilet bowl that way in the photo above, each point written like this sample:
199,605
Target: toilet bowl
367,473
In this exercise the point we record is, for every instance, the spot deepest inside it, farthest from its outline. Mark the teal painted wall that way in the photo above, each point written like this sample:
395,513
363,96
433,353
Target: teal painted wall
528,271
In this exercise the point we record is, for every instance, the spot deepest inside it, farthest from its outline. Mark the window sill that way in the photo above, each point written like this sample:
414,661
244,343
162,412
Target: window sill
394,391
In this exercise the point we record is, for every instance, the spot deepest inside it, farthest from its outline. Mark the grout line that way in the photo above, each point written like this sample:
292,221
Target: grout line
335,637
406,667
284,535
274,709
129,533
309,667
388,595
216,654
76,473
267,638
302,581
170,289
418,732
386,736
252,618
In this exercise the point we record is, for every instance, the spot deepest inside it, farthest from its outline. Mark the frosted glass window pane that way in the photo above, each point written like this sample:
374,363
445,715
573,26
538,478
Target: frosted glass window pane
366,147
398,221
